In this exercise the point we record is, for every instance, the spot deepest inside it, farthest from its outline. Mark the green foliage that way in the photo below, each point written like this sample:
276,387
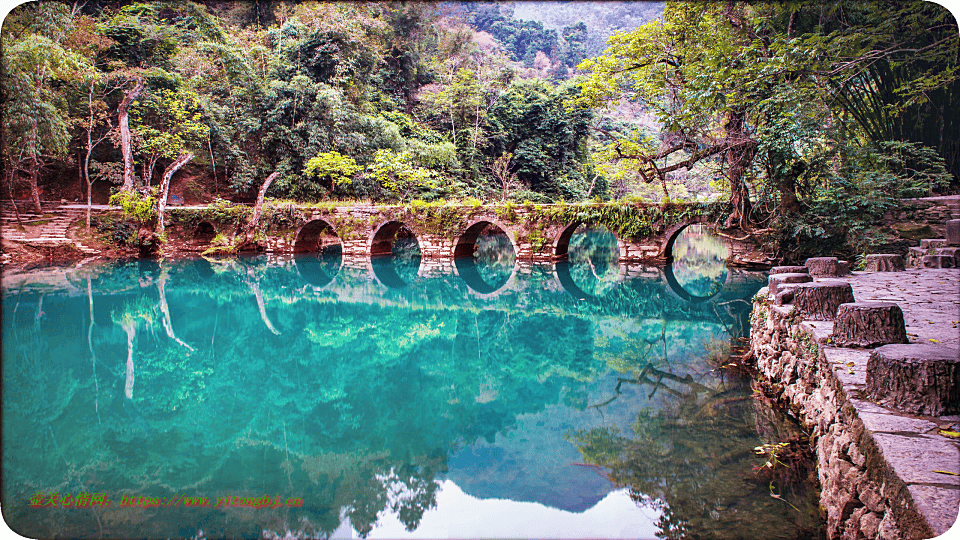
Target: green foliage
396,174
523,39
547,140
138,206
846,212
337,168
115,230
168,122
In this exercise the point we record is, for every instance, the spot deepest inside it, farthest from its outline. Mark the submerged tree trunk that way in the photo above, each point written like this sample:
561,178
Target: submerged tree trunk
255,287
131,330
165,188
165,311
125,143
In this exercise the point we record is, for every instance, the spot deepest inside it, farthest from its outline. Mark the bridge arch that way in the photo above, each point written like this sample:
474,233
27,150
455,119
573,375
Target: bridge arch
204,233
673,232
561,244
386,234
465,262
465,243
310,238
389,271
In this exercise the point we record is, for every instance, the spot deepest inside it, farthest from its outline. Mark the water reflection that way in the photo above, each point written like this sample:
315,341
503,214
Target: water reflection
401,266
592,267
321,268
698,269
491,262
365,402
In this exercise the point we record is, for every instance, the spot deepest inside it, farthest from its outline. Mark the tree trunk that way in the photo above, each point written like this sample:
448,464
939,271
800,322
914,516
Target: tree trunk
123,112
919,378
34,188
826,267
165,311
131,331
261,306
739,157
774,281
258,208
789,270
819,301
13,201
868,324
165,188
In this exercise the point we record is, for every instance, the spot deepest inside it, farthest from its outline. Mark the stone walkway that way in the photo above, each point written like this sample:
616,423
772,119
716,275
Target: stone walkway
47,229
916,457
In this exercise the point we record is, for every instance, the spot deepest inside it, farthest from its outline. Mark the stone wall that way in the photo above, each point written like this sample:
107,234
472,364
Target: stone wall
862,495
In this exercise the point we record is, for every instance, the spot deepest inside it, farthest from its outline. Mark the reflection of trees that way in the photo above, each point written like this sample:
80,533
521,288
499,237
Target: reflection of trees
354,405
694,460
699,261
594,260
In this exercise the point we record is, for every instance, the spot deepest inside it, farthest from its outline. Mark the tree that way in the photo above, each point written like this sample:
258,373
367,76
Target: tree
547,140
34,109
98,85
123,119
333,166
694,69
396,174
177,164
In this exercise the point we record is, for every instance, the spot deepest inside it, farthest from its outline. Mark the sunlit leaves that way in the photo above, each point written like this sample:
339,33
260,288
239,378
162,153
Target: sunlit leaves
396,173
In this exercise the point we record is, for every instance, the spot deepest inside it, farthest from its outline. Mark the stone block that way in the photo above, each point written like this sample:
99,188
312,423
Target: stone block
789,270
819,301
868,324
953,232
937,261
953,252
824,267
930,243
915,257
916,378
938,506
884,262
775,280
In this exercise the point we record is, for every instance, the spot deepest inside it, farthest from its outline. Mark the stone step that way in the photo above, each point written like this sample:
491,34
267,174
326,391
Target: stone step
929,243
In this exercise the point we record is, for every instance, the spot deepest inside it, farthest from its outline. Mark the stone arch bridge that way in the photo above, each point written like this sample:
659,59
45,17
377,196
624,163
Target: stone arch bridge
644,233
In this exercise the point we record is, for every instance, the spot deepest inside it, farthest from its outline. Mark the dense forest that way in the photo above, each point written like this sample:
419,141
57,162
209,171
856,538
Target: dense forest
811,119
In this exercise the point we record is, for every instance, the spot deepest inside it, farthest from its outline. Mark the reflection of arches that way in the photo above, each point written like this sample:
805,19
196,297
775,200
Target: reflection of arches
561,247
310,237
678,289
385,237
562,269
468,240
204,233
468,272
394,253
466,263
388,270
320,269
203,268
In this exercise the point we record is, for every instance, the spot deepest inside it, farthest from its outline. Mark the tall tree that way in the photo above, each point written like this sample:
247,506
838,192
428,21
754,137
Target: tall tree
34,108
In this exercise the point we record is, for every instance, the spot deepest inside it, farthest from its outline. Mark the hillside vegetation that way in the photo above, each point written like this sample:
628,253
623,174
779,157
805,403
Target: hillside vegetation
810,120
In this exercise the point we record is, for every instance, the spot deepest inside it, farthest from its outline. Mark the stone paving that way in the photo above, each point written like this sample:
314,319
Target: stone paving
913,448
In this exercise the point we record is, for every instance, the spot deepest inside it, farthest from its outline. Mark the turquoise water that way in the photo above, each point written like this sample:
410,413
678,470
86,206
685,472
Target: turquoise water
388,398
